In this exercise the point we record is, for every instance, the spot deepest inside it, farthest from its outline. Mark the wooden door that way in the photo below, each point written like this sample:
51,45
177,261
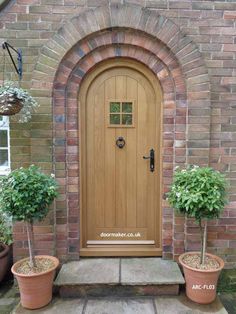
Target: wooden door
120,124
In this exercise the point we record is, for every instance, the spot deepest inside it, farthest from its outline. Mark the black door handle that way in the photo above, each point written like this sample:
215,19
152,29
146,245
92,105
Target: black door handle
152,159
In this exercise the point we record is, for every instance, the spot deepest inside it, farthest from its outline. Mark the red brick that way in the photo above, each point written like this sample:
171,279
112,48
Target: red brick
230,15
229,47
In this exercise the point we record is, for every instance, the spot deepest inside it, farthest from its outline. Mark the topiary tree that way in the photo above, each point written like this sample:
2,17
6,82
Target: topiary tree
199,193
25,195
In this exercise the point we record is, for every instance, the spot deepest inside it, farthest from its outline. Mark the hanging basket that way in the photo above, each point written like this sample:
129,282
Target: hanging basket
9,105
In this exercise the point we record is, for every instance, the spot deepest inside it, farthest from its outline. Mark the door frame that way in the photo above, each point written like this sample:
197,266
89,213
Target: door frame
85,84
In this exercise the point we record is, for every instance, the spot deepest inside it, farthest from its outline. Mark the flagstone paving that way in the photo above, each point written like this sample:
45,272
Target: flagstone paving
146,305
228,299
9,296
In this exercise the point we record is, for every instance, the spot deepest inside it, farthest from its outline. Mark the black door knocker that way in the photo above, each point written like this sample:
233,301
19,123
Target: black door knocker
120,142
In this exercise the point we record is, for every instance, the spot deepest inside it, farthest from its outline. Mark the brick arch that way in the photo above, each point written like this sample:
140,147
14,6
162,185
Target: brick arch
66,87
129,16
166,67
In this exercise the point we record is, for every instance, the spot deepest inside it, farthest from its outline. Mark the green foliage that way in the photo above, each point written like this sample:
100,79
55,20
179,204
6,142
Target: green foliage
5,229
26,193
29,103
198,192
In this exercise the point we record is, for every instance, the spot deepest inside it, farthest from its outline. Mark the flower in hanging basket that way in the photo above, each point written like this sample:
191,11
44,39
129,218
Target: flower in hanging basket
15,100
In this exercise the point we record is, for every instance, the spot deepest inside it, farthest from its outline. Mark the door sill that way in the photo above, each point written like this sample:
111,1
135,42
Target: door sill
102,251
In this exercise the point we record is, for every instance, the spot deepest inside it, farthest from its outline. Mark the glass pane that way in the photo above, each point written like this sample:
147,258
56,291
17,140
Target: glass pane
127,107
4,157
3,138
114,119
127,119
3,121
114,107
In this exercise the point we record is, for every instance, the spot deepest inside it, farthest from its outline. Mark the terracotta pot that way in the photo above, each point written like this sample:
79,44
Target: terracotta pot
4,260
201,284
36,289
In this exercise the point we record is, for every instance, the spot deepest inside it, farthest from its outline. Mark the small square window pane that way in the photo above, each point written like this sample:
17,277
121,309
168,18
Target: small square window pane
4,157
114,119
127,119
114,107
127,107
3,138
3,121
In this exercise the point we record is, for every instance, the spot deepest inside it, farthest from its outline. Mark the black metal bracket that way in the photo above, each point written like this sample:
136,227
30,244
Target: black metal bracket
17,67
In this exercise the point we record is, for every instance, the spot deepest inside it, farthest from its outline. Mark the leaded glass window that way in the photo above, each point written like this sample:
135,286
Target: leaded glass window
121,113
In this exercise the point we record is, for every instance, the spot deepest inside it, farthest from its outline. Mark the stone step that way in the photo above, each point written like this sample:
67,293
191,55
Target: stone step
119,277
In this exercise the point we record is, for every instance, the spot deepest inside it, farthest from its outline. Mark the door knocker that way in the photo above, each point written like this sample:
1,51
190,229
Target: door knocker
120,142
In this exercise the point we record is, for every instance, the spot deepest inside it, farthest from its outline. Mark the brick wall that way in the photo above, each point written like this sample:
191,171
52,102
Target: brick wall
206,62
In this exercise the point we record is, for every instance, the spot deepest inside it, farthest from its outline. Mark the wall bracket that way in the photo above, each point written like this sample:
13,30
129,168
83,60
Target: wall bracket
17,67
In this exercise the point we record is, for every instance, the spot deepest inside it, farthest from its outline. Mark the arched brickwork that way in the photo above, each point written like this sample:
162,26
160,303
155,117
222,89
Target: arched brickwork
66,92
121,31
91,21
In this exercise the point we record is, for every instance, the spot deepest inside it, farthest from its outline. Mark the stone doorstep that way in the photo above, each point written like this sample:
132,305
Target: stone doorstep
119,277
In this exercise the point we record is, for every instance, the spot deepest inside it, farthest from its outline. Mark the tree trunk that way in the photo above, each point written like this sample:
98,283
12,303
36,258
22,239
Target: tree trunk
30,235
201,233
204,244
203,241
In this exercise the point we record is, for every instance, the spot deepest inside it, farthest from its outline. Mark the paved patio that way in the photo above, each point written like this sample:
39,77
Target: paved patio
9,296
123,271
146,305
228,299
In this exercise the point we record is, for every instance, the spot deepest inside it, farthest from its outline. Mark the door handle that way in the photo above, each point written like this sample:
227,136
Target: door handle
151,157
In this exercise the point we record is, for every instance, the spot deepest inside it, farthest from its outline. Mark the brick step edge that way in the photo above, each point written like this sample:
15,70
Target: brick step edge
103,290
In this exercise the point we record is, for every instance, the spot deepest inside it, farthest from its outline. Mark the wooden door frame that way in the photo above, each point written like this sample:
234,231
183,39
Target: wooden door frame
85,84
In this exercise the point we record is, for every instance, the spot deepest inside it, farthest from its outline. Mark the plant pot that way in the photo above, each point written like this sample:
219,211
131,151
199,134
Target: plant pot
4,260
36,289
9,105
201,284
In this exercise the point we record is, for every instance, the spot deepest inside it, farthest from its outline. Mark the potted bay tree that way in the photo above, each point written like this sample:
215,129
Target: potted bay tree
25,195
199,193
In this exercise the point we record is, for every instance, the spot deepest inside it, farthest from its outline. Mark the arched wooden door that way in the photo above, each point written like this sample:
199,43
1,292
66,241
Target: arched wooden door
120,123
